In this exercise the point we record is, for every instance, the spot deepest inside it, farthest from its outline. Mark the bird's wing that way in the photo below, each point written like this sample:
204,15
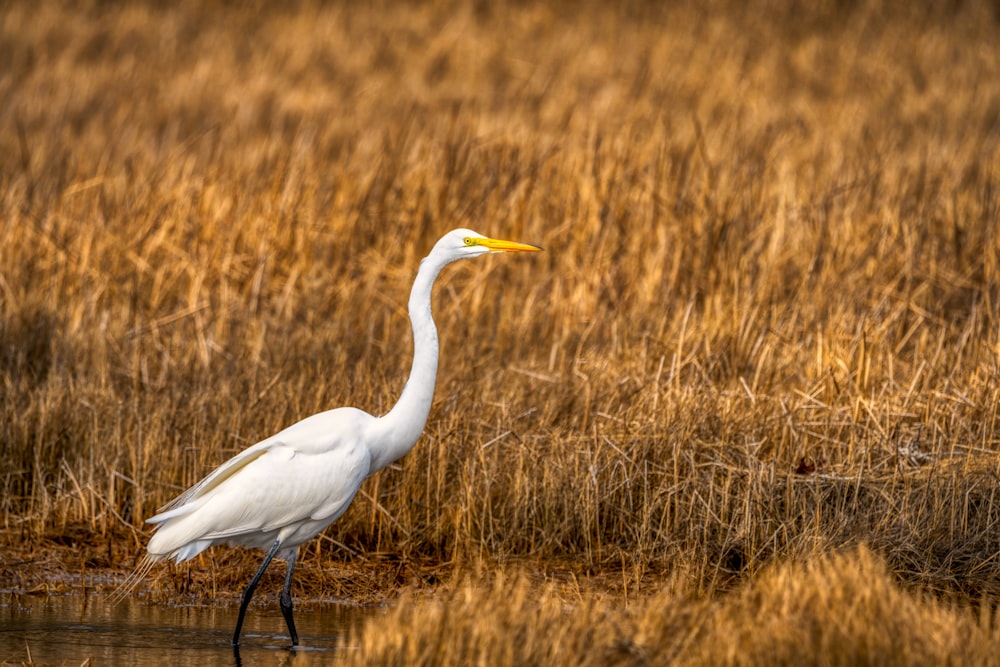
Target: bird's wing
283,488
291,486
217,476
313,435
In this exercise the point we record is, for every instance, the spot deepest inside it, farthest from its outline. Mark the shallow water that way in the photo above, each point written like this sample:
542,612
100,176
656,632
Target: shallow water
70,629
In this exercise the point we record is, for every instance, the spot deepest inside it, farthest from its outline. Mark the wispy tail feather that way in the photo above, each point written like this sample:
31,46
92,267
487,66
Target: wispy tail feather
125,588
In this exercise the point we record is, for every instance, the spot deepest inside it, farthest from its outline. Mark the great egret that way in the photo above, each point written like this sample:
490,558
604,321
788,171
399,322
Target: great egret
284,490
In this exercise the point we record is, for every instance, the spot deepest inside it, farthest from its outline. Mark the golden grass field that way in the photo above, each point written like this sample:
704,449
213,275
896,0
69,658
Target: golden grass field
742,410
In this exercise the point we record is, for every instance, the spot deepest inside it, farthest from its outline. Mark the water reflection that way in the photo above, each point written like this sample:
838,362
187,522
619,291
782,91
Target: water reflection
70,629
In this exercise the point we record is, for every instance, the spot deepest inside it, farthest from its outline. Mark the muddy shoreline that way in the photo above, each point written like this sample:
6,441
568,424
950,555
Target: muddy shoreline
98,565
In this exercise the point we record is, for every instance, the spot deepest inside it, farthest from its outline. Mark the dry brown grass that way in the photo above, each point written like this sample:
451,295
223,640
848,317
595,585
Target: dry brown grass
765,325
840,610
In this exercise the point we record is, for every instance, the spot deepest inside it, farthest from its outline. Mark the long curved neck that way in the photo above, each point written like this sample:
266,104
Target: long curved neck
400,428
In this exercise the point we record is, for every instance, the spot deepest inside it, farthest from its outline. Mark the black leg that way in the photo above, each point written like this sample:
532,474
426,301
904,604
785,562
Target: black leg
286,598
248,593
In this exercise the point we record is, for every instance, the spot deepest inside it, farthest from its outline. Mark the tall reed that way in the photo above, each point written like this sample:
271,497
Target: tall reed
765,324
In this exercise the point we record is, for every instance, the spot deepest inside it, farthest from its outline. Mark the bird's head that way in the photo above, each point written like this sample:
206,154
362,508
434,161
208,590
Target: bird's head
459,243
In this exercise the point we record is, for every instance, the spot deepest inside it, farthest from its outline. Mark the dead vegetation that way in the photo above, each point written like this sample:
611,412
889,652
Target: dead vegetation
765,326
844,609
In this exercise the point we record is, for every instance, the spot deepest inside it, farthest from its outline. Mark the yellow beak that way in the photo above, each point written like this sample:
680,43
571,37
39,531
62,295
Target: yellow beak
496,245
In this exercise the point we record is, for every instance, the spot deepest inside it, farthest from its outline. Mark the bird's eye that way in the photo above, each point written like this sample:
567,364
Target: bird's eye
469,240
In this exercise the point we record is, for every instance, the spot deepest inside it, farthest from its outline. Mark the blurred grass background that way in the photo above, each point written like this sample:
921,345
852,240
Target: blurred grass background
765,325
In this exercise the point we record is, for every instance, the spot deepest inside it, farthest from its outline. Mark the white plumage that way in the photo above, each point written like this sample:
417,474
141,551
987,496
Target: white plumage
285,490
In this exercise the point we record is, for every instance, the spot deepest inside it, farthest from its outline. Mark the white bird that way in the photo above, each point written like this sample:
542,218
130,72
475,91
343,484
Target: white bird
283,491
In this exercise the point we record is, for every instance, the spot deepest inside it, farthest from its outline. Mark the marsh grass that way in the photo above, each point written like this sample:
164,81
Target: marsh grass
765,326
844,609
